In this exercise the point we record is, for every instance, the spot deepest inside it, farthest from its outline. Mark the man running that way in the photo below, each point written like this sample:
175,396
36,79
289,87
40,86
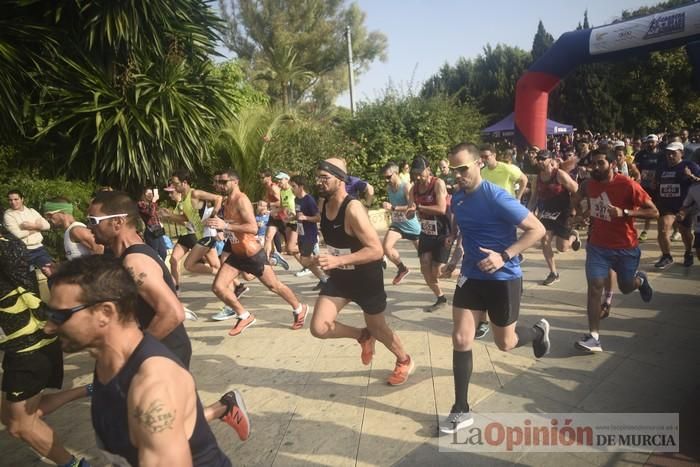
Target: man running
353,263
507,176
647,161
145,408
240,229
307,217
401,226
614,201
552,201
78,240
276,224
428,200
491,279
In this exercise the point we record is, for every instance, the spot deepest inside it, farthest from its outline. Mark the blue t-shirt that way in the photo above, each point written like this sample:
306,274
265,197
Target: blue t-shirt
262,220
308,231
487,218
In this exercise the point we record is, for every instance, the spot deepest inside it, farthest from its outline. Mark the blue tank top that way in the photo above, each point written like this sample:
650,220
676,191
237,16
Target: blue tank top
110,412
398,218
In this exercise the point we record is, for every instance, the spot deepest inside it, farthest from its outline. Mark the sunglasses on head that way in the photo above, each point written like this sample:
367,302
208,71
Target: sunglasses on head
60,316
94,220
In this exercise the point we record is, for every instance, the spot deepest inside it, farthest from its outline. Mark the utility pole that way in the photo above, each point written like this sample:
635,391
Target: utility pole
350,73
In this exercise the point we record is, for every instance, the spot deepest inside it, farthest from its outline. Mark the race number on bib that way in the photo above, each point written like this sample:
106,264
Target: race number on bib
461,281
398,216
429,227
333,251
300,229
670,190
599,207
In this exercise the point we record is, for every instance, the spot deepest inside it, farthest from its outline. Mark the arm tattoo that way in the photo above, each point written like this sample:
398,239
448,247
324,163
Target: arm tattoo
155,418
138,278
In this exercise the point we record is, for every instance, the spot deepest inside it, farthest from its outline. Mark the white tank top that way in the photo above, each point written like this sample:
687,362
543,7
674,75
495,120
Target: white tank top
74,249
208,231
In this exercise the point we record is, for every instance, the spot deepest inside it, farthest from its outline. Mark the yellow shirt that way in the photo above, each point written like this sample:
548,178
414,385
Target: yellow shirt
503,175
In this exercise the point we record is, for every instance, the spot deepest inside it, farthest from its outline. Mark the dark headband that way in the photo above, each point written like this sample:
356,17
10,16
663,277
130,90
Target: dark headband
334,170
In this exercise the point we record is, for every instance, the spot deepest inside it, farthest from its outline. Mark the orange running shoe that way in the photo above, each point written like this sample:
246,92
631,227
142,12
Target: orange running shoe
236,415
299,318
241,325
401,372
367,343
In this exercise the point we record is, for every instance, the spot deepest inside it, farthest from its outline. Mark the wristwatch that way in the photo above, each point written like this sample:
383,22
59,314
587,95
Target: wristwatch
625,212
505,257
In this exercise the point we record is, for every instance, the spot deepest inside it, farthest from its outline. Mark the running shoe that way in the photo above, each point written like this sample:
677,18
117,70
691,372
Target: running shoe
664,262
541,344
455,421
589,344
481,330
236,415
299,317
441,302
190,315
645,290
400,276
303,272
688,259
401,372
576,244
240,290
280,260
551,278
225,313
676,236
367,343
241,325
643,236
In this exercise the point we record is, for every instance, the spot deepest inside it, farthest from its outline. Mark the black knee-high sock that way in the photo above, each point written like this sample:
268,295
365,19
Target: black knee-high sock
526,335
462,366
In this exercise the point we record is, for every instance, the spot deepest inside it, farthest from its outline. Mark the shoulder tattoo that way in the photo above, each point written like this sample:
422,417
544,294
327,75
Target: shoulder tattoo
155,418
138,278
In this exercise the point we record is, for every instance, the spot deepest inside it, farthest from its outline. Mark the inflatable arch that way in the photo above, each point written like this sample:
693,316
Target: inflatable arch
664,30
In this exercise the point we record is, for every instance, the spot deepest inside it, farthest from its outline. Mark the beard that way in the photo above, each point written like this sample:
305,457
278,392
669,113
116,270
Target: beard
599,176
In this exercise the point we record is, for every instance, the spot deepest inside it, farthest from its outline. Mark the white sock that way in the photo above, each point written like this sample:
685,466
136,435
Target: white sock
297,310
595,335
244,315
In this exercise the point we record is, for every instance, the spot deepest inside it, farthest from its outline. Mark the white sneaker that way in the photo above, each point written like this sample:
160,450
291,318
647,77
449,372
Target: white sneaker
456,421
303,272
190,315
676,237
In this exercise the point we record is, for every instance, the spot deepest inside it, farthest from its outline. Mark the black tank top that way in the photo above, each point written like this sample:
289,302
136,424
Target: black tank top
177,341
337,239
110,417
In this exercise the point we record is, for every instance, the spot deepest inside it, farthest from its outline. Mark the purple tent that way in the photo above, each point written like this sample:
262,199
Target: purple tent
506,127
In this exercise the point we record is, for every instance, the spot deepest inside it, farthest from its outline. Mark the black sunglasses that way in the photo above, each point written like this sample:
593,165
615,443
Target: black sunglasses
60,316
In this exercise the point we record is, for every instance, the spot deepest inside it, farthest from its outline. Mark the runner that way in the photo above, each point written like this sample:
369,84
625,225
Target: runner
647,162
401,227
552,201
614,200
276,225
491,279
77,239
153,232
145,409
307,217
428,200
246,255
353,263
691,207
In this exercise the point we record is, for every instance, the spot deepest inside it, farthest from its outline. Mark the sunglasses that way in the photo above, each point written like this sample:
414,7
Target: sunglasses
60,316
463,167
94,220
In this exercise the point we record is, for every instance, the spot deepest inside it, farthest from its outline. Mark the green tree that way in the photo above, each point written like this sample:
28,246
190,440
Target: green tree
541,42
295,49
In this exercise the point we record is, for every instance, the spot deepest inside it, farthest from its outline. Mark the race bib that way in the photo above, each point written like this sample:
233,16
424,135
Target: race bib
398,216
333,251
429,227
552,216
300,229
461,281
599,207
670,190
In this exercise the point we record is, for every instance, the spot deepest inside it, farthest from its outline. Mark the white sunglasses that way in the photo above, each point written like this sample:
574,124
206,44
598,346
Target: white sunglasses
94,220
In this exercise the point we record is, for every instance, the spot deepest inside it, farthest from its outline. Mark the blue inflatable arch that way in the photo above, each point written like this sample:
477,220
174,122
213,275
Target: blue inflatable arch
664,30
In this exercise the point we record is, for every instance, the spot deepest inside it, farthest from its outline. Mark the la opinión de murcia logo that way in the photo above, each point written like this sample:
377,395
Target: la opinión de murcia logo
664,25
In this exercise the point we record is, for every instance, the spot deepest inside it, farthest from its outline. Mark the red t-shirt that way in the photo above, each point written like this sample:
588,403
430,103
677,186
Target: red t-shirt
624,193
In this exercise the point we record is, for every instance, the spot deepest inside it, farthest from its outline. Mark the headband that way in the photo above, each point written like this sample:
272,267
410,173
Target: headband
334,170
52,207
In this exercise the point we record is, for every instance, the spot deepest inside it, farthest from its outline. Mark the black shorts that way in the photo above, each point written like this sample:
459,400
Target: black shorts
254,265
404,235
207,242
307,249
292,226
188,241
279,223
227,247
364,287
500,298
672,211
434,245
558,227
27,374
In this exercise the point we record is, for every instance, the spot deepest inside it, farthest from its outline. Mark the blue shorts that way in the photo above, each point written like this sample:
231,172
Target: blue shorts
624,261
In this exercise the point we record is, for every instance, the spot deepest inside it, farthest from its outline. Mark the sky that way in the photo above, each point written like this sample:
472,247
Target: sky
423,35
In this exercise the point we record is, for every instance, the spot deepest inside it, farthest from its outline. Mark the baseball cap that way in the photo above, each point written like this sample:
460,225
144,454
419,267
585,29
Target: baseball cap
618,144
419,164
281,176
651,137
675,146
